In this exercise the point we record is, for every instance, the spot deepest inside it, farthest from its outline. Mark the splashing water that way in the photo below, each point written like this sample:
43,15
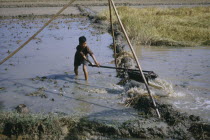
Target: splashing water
136,91
163,85
158,87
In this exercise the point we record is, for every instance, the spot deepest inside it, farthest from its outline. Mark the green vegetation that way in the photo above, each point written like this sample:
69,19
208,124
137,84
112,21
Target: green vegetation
34,125
166,26
173,124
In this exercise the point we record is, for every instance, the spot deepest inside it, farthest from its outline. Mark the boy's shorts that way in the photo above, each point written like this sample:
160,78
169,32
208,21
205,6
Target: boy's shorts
78,62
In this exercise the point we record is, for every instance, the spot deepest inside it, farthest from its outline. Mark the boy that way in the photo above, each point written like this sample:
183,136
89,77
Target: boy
81,57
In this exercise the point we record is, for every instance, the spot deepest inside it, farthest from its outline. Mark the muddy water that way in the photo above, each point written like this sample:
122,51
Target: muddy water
51,57
187,70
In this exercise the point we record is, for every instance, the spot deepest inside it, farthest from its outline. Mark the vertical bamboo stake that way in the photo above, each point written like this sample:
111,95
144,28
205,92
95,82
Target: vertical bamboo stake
135,57
113,37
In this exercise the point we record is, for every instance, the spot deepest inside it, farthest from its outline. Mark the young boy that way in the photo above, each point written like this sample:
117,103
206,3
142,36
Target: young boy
81,56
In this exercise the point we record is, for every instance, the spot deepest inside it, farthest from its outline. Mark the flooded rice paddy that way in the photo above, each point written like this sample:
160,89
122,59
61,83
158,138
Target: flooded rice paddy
41,75
187,70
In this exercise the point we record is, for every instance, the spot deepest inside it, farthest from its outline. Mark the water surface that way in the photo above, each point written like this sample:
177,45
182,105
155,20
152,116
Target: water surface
187,70
51,56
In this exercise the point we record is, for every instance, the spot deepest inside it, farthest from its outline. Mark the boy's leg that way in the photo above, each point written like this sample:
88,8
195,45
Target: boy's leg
76,70
85,72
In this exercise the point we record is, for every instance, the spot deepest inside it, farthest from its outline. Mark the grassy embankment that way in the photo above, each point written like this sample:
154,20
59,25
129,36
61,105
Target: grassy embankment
166,26
38,126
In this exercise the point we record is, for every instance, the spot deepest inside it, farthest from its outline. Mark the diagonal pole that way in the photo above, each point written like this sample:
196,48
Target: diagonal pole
32,37
113,37
135,57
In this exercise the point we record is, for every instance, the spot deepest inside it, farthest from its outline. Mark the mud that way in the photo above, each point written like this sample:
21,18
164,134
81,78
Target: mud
37,11
173,125
40,92
180,125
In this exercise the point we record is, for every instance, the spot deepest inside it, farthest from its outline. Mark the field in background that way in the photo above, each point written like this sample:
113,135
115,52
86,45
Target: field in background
122,1
55,3
166,26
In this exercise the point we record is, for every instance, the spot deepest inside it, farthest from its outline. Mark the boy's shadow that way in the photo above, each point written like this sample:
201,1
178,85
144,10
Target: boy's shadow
60,76
64,77
70,78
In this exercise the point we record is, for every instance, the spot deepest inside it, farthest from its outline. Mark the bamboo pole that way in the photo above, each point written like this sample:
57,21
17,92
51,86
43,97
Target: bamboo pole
32,37
113,37
135,57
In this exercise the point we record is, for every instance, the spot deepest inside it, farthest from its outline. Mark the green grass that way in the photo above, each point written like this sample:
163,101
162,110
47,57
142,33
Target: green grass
166,26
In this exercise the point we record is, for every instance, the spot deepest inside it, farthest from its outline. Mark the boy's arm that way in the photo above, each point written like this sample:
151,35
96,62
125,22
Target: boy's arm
92,55
86,58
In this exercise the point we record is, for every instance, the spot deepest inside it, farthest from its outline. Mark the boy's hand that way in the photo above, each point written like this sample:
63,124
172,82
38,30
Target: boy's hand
97,64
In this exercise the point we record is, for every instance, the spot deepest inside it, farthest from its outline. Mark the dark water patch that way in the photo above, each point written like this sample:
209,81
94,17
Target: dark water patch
1,105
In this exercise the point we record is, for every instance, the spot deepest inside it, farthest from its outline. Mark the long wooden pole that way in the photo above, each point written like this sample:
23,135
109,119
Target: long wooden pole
135,57
112,30
108,67
32,37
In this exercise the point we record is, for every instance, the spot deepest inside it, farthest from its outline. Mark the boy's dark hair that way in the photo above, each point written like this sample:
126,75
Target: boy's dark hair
82,39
